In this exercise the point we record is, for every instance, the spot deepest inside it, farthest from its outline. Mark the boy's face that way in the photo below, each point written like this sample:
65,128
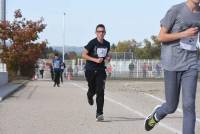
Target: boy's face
100,32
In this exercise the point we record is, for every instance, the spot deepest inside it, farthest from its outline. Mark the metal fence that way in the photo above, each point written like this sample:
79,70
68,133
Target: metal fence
131,68
3,74
117,68
3,67
122,55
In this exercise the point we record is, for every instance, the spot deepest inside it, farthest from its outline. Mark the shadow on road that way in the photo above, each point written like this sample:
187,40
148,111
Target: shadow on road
128,119
121,119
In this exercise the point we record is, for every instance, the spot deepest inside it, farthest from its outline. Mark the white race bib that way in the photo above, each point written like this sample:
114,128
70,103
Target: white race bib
102,52
56,64
198,41
62,67
189,43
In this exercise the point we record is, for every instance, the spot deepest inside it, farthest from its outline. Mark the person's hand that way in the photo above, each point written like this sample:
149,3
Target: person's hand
99,60
108,58
190,32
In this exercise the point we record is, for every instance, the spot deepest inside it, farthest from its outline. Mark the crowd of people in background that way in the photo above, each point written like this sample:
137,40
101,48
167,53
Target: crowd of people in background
149,71
57,68
145,70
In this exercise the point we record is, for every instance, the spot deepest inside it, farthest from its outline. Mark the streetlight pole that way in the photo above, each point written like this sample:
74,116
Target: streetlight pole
64,34
2,18
3,10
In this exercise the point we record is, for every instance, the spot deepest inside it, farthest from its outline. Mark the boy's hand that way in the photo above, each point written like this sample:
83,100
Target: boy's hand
99,60
190,32
108,58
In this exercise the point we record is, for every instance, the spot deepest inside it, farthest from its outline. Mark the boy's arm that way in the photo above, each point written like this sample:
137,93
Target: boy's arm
87,57
164,36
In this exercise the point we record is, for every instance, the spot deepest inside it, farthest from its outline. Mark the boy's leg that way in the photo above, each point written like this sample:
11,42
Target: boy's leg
172,93
189,85
55,78
42,74
100,88
52,76
61,76
90,77
58,78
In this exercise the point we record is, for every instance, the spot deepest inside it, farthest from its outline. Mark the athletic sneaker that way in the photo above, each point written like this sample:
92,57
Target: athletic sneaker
90,100
99,117
151,121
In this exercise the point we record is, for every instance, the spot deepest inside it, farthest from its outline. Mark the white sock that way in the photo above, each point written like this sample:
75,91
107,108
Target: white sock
156,117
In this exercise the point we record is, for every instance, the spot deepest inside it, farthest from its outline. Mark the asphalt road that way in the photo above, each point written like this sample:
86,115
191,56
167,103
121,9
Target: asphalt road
40,108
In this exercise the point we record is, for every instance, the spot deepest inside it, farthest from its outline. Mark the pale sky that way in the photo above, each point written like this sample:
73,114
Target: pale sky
124,20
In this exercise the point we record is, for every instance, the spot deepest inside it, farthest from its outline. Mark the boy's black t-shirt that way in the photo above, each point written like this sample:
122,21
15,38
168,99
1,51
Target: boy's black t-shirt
97,50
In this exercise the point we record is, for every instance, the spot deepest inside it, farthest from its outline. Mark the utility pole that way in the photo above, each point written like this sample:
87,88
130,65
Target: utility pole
3,10
64,34
2,18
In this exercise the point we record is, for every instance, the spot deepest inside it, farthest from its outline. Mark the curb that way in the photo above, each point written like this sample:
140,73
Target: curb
5,93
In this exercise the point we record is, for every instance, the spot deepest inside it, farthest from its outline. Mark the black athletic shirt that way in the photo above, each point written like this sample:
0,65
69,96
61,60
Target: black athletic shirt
97,50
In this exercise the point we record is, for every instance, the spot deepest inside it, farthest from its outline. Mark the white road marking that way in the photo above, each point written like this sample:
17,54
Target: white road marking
161,100
131,110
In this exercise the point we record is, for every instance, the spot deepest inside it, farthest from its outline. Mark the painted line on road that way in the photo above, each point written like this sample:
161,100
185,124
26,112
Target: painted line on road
162,101
131,110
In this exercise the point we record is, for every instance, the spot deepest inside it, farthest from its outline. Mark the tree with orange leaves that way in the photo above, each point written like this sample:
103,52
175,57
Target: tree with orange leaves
22,49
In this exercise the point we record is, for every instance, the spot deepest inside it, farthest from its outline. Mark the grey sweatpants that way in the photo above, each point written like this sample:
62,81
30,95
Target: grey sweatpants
174,82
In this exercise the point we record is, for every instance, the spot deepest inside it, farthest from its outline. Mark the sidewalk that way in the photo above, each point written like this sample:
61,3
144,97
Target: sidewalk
10,88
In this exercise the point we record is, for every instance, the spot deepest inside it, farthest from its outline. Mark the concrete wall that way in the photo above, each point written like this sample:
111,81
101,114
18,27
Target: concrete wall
3,78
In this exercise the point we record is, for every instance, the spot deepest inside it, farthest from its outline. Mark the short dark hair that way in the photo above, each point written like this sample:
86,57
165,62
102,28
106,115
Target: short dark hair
100,26
56,54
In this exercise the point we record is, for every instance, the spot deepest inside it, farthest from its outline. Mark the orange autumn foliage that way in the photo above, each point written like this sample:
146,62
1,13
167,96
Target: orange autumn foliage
22,48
